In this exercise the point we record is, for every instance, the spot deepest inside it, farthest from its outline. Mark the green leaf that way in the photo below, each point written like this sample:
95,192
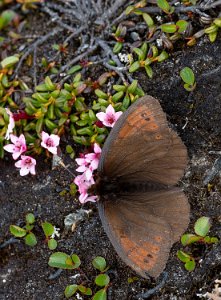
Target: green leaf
117,47
213,36
61,260
102,280
163,56
6,17
17,231
100,295
182,25
202,226
147,18
164,5
49,84
214,240
9,61
117,96
149,71
169,28
132,87
30,218
190,265
184,257
52,244
188,239
76,260
187,75
101,94
99,263
48,228
134,67
140,53
70,290
188,87
74,69
30,239
84,290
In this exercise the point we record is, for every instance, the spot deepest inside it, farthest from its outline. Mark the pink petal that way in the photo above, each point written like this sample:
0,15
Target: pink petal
24,171
13,138
22,139
9,148
18,164
97,148
44,136
101,116
89,157
53,150
56,139
32,170
94,164
81,169
110,110
81,161
88,174
118,114
16,155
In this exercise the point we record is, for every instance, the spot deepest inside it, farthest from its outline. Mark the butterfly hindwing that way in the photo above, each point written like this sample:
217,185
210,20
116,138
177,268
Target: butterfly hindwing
143,226
140,143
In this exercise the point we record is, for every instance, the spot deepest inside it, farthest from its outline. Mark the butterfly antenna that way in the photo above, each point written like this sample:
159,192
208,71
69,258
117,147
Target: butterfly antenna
65,167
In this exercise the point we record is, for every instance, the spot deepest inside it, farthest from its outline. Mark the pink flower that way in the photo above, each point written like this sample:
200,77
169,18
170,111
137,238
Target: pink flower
18,146
93,158
86,198
110,117
26,164
50,142
11,124
83,183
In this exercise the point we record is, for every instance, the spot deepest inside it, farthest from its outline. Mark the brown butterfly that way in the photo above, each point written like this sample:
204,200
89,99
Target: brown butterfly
142,211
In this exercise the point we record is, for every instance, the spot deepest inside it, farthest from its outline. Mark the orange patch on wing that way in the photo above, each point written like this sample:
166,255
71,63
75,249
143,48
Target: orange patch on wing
144,256
145,120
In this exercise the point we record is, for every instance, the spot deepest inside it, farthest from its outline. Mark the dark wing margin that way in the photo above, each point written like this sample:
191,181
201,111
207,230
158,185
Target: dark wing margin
141,144
143,226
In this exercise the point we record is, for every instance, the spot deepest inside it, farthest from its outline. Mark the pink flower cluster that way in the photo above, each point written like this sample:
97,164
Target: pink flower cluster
18,146
87,164
27,163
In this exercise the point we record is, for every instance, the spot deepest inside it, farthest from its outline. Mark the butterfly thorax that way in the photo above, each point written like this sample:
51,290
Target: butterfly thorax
106,187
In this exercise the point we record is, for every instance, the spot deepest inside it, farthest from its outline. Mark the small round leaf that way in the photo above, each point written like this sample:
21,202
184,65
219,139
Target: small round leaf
61,260
100,295
70,290
190,265
52,244
48,228
30,239
30,218
202,226
187,75
99,263
102,280
84,290
76,260
188,239
184,257
17,231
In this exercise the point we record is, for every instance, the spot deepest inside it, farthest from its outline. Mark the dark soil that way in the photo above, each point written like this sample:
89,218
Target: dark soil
24,271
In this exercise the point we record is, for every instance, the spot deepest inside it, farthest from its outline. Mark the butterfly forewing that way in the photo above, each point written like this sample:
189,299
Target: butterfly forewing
139,136
140,142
